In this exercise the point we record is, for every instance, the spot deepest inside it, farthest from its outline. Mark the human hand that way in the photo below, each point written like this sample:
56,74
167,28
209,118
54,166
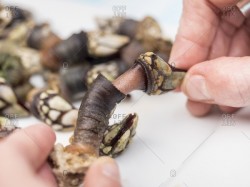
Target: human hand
209,30
23,161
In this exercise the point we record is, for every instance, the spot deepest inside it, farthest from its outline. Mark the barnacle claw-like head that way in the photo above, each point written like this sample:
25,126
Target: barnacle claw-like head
118,136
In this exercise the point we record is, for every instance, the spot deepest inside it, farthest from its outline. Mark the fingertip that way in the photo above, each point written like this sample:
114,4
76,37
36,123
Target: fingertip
198,109
45,129
106,170
46,175
228,110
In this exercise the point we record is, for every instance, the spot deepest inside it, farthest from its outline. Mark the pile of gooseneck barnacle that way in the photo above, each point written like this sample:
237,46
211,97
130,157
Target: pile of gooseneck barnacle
100,71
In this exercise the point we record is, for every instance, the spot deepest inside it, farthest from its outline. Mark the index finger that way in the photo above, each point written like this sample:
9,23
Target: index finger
198,27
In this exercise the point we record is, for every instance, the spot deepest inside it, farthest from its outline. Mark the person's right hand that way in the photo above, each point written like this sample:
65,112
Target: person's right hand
206,33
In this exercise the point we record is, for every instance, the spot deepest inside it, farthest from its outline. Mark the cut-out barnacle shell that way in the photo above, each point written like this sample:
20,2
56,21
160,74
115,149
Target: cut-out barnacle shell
161,76
54,110
8,101
118,136
103,44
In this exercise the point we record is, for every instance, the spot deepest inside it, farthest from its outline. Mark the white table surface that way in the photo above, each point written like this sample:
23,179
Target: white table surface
171,148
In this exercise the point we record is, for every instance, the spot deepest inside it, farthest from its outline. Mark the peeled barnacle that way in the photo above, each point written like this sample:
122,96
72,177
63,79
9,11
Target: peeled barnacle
93,119
151,74
118,136
102,44
54,110
8,101
6,127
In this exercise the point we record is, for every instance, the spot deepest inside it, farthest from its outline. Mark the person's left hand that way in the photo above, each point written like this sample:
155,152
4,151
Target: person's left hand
23,161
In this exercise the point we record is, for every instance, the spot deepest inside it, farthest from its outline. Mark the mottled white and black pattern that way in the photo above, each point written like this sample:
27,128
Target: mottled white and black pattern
54,110
8,101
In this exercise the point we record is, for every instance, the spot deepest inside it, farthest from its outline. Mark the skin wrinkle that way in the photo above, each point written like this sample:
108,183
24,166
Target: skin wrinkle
248,87
239,92
194,43
213,23
187,19
212,53
226,31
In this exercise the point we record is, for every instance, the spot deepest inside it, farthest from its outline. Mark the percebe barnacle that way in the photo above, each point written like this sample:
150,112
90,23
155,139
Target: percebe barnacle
150,74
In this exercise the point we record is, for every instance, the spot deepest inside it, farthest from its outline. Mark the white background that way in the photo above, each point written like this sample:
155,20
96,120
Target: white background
171,147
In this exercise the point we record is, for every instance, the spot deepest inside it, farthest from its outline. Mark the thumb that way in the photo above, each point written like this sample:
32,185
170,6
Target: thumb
103,173
223,81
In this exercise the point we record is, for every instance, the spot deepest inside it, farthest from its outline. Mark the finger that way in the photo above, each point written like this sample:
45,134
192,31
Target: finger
228,110
198,28
32,144
103,173
198,109
223,81
46,175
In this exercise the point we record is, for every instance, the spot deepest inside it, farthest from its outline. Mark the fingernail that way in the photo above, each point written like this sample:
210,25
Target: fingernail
196,88
109,168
